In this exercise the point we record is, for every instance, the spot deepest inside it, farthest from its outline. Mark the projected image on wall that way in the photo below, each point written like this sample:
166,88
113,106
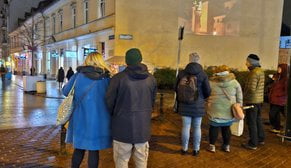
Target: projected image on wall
211,17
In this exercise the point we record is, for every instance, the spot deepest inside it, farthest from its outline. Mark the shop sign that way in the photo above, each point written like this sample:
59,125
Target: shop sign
111,37
285,42
89,50
71,54
125,37
54,54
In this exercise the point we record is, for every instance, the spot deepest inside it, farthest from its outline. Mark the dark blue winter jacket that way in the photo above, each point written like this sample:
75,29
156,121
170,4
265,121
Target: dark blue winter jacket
196,109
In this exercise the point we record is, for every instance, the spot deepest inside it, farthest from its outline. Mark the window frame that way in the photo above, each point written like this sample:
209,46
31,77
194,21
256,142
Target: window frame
101,6
86,12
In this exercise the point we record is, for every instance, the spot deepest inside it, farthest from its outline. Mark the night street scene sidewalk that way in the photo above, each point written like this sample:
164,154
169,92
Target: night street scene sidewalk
29,138
202,44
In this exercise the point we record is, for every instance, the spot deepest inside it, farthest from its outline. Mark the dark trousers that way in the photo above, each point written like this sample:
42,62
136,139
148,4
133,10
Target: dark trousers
274,115
255,126
213,134
3,77
78,155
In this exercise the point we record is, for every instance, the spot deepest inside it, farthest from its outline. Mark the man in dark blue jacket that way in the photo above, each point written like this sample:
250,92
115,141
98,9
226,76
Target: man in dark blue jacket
130,99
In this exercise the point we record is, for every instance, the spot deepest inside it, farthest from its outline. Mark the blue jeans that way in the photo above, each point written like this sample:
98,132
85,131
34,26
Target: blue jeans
195,122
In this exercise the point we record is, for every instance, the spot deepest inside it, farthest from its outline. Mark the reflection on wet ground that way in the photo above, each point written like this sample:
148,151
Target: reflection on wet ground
20,110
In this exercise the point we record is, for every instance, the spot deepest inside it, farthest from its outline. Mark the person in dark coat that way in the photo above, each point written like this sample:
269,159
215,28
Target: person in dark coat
278,97
70,73
2,73
61,77
192,113
130,99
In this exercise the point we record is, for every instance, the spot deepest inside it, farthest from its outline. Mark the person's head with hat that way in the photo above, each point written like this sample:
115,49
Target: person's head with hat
253,61
133,56
194,57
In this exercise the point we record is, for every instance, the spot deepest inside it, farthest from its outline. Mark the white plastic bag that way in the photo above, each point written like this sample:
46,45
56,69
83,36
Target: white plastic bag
237,128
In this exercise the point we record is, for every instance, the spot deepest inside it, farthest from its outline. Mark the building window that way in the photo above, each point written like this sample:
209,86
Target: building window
101,8
61,21
74,16
54,24
86,11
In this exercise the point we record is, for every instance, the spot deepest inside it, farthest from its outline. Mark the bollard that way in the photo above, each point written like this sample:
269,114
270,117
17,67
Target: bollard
63,137
161,106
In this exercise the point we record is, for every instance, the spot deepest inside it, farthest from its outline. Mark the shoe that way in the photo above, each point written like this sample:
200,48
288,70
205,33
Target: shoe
226,148
247,146
183,152
261,143
195,152
211,148
275,131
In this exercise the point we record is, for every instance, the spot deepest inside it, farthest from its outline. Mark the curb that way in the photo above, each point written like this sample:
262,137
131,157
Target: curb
36,94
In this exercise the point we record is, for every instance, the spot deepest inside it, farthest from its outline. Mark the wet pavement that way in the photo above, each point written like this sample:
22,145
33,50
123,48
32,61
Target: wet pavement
21,110
28,138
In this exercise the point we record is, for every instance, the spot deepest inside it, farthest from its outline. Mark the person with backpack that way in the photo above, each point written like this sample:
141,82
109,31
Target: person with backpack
278,97
130,99
225,91
192,88
90,123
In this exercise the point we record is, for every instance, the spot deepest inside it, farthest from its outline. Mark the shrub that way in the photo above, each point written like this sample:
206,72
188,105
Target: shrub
166,78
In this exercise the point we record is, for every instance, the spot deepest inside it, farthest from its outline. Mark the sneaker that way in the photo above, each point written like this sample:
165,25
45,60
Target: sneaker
226,148
275,131
261,143
247,146
211,148
183,152
195,152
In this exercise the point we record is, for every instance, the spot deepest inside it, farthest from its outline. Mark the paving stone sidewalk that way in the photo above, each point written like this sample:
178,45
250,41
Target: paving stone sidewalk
39,146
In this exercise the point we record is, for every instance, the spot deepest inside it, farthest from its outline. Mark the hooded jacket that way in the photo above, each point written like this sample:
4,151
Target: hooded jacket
278,91
130,99
196,109
219,104
89,125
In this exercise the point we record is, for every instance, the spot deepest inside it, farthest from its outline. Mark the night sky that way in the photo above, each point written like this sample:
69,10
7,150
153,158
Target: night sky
286,18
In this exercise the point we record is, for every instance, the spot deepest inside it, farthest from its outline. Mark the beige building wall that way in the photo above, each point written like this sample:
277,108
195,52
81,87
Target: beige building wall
154,27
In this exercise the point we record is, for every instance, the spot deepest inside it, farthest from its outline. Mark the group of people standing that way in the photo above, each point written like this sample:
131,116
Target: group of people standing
61,75
216,97
111,111
116,111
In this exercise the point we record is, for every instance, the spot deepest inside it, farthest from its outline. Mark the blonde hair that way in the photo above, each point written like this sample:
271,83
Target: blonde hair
95,59
221,68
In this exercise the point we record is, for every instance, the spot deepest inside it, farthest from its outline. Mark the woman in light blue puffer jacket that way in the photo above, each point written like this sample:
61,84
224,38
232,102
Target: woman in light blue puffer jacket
225,91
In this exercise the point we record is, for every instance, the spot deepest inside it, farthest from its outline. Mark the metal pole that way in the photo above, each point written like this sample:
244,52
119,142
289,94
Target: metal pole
162,106
180,38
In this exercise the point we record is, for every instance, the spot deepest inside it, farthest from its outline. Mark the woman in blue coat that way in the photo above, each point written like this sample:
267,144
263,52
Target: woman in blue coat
89,125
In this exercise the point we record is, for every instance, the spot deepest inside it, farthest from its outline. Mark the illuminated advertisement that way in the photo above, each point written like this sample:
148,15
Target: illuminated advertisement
285,42
88,51
71,54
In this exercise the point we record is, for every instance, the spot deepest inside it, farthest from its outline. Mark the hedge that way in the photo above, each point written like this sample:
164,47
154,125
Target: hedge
166,77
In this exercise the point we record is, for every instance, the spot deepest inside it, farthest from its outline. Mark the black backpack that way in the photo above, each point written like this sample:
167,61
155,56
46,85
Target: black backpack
187,90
